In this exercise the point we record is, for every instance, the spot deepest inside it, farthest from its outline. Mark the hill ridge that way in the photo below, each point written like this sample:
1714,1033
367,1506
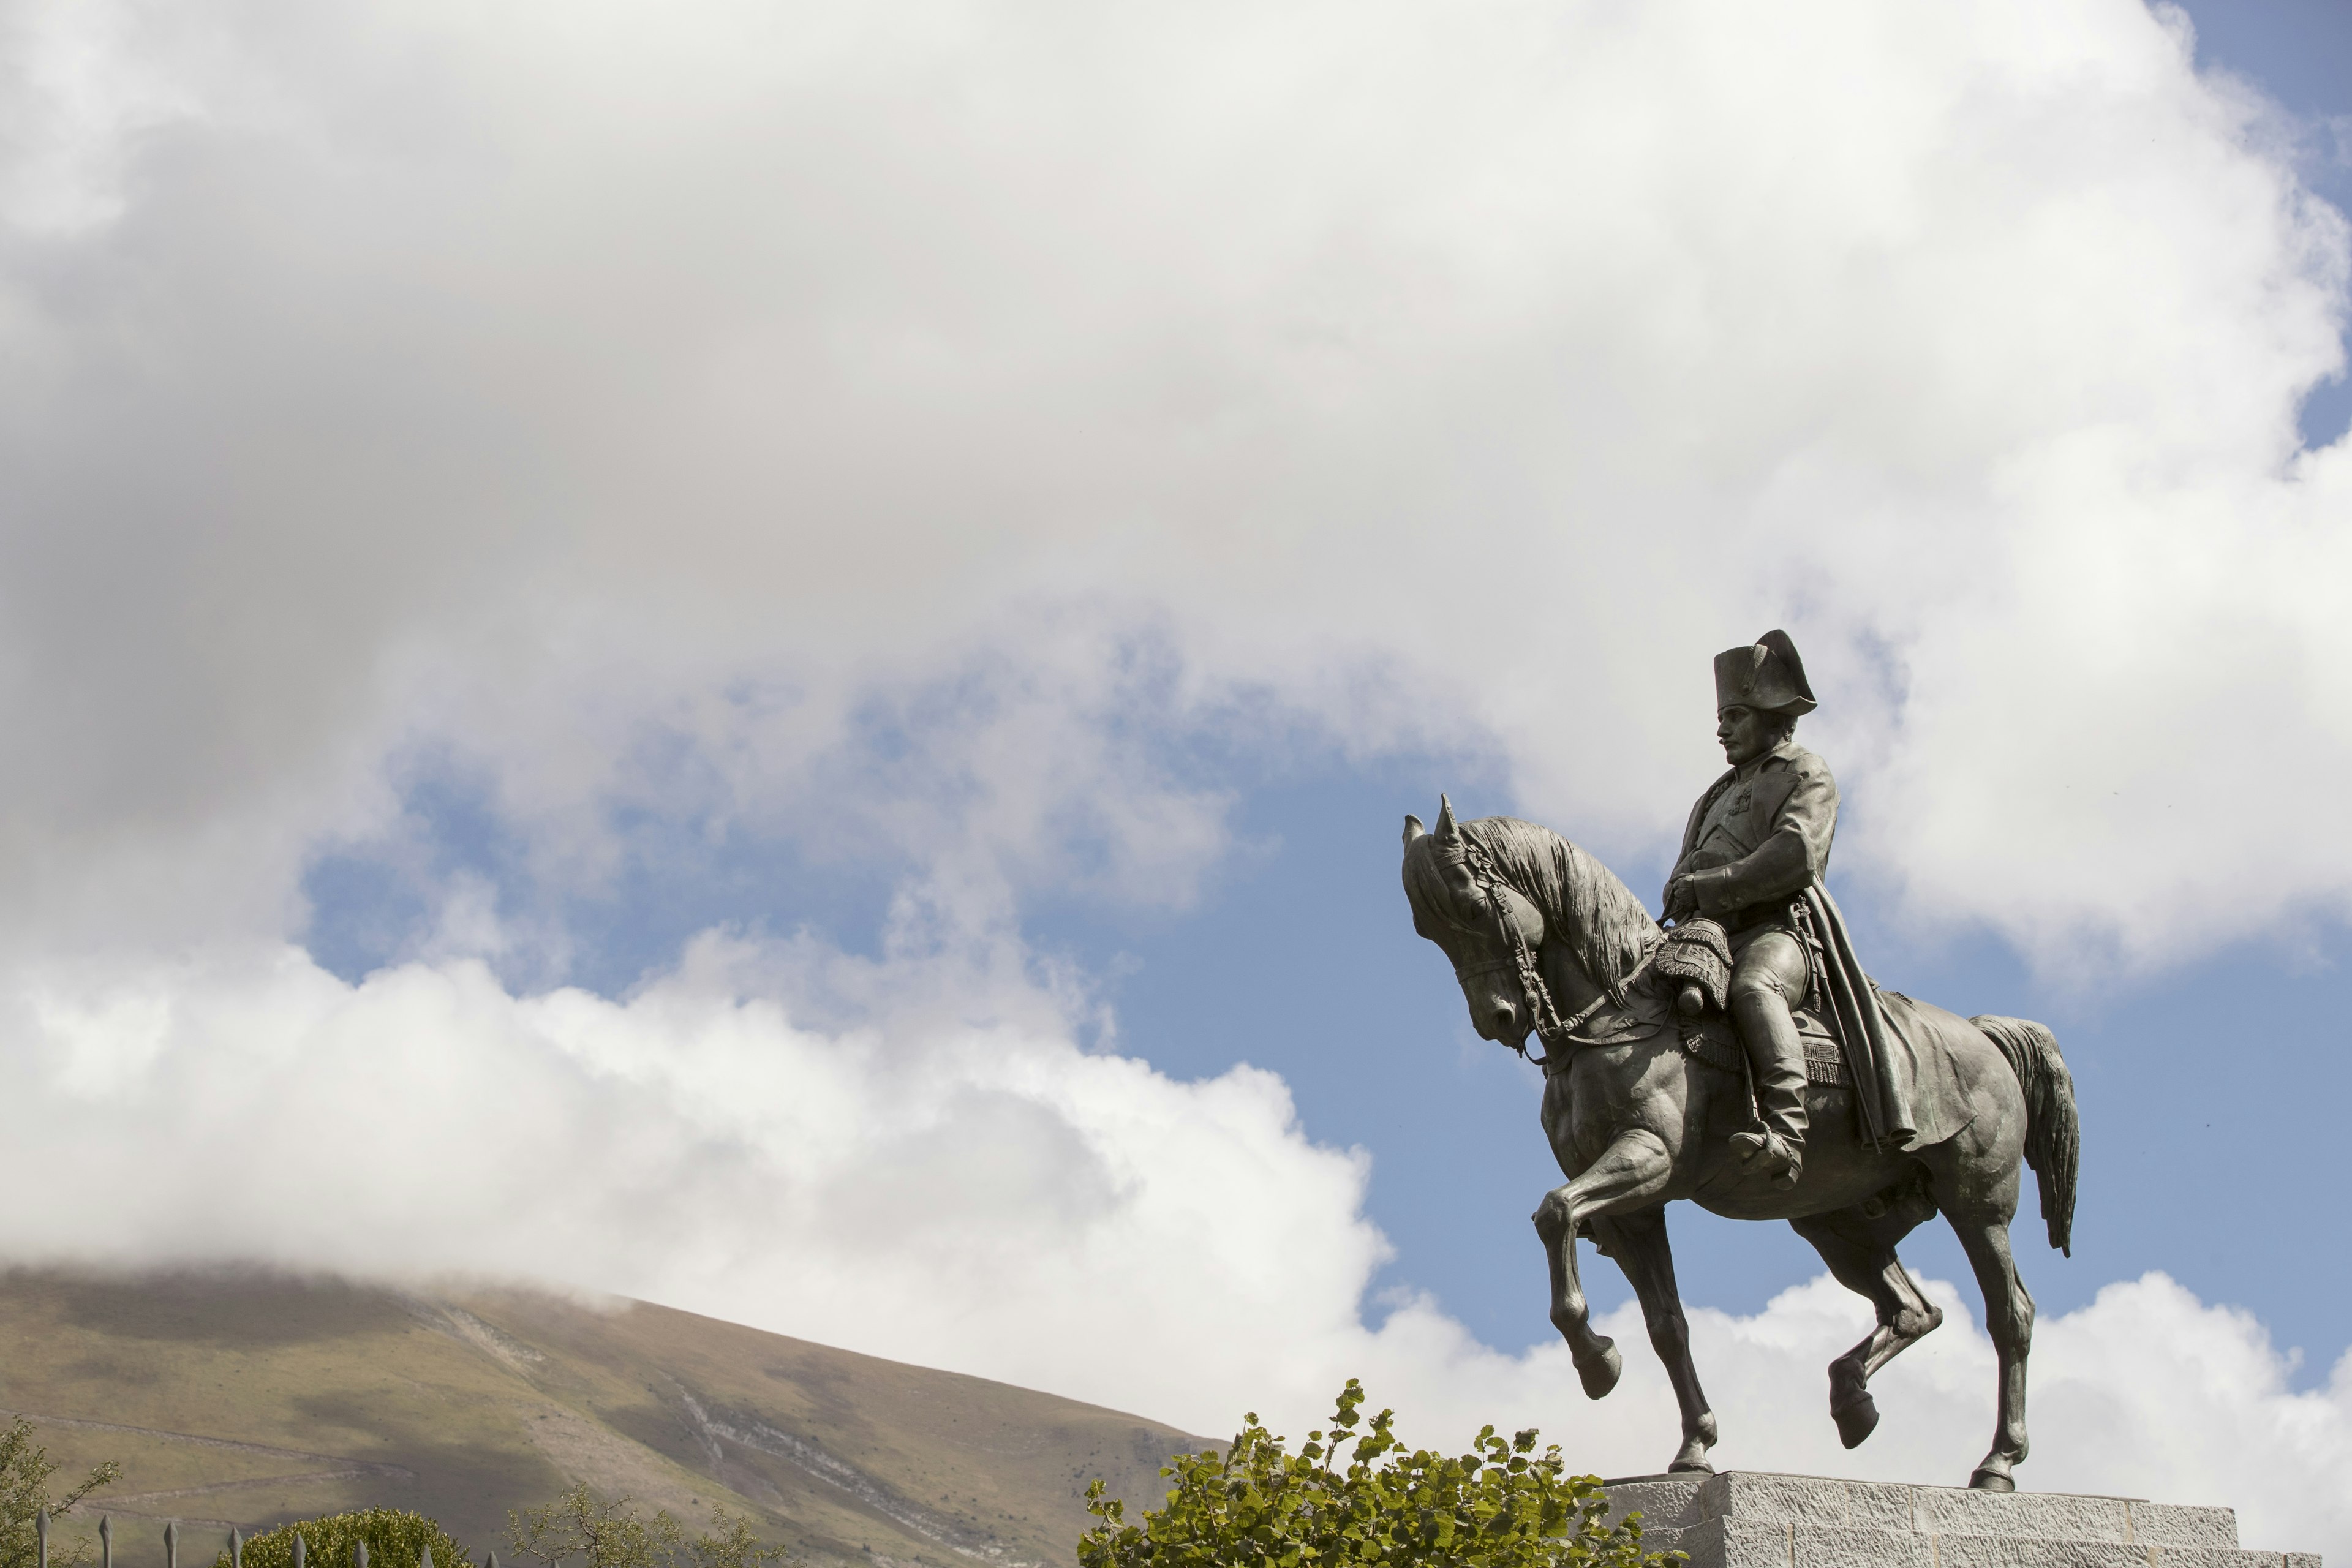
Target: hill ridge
464,1403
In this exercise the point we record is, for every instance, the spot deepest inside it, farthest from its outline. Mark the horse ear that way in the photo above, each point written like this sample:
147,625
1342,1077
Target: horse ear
1448,830
1412,829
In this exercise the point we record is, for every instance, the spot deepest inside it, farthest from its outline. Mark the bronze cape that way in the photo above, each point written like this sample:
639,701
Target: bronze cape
1884,1059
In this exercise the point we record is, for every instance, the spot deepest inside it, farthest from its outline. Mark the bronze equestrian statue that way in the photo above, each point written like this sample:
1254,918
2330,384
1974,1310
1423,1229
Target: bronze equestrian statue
1743,1060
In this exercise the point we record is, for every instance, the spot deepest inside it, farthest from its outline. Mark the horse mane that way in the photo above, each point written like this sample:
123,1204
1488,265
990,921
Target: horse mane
1583,904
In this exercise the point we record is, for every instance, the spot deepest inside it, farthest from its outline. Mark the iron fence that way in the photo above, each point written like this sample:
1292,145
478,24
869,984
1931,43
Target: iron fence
235,1547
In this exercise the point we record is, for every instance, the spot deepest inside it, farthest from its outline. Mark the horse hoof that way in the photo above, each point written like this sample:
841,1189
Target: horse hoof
1991,1481
1691,1461
1857,1419
1600,1374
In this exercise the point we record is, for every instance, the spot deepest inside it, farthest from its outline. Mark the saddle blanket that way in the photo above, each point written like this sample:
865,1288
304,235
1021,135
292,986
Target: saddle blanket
1713,1041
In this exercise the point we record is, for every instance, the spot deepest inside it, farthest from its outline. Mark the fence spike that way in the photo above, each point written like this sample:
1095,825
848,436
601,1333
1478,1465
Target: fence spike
171,1544
236,1548
359,1554
41,1529
424,1557
106,1541
494,1560
301,1551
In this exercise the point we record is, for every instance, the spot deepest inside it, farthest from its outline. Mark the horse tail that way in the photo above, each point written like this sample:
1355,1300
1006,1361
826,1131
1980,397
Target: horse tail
2054,1131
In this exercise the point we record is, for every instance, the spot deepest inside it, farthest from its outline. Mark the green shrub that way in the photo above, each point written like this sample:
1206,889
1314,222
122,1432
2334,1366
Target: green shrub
1258,1506
24,1471
395,1539
609,1533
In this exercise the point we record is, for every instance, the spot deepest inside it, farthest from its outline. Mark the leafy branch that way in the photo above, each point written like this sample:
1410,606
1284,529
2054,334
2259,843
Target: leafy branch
24,1471
1501,1505
611,1533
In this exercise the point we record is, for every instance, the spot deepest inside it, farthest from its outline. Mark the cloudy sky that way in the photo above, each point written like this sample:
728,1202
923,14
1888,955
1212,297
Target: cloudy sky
769,656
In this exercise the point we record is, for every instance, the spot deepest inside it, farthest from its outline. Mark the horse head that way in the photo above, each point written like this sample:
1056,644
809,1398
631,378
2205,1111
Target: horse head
1472,912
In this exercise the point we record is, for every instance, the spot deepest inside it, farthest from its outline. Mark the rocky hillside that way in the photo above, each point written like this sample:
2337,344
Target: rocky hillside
252,1398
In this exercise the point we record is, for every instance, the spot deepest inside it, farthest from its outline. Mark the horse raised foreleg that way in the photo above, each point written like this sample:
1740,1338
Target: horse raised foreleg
1629,1172
2008,1318
1859,1250
1638,1242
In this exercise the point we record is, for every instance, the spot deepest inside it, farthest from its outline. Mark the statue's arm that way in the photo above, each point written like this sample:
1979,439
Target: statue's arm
1793,855
1690,840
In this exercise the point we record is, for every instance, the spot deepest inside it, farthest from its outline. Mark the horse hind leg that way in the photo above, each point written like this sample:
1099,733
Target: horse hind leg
1974,1182
2008,1318
1859,1247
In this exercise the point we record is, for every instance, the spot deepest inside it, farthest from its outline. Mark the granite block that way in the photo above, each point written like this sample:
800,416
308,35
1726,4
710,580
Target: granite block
1664,1503
1811,1546
2030,1551
2041,1516
1702,1545
1746,1519
2213,1557
1794,1499
1667,1540
1746,1544
1877,1506
2175,1524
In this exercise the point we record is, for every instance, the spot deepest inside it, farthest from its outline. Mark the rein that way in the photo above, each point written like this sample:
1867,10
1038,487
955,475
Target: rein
1549,1028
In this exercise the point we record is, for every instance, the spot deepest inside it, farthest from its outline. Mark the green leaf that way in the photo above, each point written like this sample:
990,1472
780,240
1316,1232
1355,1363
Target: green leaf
1260,1506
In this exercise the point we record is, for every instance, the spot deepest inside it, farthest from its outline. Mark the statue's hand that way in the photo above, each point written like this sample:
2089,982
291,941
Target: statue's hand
1681,901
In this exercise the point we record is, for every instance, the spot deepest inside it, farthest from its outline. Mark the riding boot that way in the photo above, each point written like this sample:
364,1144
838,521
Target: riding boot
1777,1054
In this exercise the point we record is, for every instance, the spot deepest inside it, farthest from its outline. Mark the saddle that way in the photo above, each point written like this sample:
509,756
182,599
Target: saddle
1694,968
1714,1039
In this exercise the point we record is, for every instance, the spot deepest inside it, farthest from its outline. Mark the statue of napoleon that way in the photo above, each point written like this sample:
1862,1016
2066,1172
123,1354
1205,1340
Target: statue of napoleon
1735,1053
1753,858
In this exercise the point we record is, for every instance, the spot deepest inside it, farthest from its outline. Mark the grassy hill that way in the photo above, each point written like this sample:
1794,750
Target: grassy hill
249,1399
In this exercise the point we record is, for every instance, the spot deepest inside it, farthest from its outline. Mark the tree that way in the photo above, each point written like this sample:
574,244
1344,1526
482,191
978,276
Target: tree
395,1538
613,1535
1259,1506
731,1543
24,1471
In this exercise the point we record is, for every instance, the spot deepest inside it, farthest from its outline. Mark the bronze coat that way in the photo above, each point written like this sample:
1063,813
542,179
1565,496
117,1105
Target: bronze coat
1772,873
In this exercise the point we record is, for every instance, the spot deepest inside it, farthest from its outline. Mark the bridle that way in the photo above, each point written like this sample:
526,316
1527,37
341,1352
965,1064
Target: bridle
1548,1025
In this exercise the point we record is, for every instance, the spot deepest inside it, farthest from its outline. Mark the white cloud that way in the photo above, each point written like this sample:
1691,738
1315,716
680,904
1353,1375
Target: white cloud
898,432
991,1197
527,382
78,97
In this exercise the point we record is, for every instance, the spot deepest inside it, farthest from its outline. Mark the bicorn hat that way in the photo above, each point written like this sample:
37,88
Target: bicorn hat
1766,674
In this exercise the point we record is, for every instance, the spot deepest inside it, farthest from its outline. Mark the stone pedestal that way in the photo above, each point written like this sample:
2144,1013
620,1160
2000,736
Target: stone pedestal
1747,1519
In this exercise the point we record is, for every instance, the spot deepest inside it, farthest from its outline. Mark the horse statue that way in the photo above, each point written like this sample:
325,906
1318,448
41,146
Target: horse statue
1641,1097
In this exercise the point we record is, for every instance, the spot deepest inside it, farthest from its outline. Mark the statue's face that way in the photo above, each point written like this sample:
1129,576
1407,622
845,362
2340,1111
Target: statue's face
1746,734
